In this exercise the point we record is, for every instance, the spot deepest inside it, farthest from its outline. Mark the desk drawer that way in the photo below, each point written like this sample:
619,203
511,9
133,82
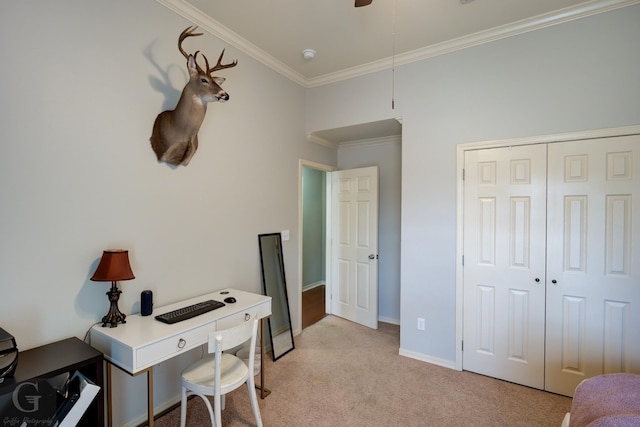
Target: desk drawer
170,347
227,322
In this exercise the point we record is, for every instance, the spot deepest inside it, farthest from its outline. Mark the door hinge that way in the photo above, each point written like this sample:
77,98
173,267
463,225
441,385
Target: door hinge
463,175
463,260
462,345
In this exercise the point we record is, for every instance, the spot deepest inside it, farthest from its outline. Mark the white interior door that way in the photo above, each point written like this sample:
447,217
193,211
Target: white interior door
593,287
504,263
354,245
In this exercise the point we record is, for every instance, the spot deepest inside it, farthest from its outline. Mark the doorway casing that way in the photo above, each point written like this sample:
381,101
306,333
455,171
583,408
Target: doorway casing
325,168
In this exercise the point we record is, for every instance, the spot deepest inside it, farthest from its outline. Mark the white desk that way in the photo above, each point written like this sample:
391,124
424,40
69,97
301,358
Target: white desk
142,342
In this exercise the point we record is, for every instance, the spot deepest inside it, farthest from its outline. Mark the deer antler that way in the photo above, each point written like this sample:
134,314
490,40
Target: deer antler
183,35
206,62
189,32
219,65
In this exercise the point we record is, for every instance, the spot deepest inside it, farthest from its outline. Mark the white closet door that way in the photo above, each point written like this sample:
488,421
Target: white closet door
504,263
593,266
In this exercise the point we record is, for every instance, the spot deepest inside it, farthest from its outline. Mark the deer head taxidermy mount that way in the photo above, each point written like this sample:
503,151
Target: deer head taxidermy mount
175,132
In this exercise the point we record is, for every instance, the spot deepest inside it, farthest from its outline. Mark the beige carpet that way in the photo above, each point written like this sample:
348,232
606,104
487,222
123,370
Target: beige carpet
342,374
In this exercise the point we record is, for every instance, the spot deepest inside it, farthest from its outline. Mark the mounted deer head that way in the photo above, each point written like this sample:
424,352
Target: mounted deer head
175,132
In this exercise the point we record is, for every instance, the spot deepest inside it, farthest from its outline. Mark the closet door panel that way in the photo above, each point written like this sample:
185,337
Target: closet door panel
593,258
504,228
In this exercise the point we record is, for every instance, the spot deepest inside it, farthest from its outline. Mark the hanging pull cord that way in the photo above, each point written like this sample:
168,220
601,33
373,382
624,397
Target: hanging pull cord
393,59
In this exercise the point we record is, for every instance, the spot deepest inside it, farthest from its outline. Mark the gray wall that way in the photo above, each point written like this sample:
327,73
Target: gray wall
575,76
82,82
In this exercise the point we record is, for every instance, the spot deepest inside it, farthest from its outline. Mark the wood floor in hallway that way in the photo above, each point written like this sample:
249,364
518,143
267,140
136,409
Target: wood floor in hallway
313,305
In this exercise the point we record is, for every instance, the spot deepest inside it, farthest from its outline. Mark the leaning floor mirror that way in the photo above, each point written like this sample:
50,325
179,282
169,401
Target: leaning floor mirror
275,286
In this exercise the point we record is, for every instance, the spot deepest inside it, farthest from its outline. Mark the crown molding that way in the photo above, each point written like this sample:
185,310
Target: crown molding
321,141
195,15
188,11
371,142
538,22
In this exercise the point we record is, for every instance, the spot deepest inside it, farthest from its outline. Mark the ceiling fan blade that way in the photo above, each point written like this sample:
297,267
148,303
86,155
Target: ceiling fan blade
360,3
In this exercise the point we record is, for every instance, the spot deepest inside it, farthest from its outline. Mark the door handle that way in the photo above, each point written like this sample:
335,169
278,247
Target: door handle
372,256
554,281
537,279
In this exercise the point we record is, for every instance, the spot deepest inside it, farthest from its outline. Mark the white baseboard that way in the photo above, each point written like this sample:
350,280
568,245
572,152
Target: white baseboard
310,286
388,320
429,359
158,408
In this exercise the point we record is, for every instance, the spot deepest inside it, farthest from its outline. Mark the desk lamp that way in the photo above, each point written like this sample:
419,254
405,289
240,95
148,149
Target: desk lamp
114,266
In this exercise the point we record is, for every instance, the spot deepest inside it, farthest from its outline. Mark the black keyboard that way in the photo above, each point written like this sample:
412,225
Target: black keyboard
189,311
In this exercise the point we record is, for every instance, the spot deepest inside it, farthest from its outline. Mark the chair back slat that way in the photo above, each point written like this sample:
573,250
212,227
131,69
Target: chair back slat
234,336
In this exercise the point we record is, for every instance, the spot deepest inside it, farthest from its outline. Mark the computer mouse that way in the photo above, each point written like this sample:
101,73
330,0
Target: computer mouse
230,300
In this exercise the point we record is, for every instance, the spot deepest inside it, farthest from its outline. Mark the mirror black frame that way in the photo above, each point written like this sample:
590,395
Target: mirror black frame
277,291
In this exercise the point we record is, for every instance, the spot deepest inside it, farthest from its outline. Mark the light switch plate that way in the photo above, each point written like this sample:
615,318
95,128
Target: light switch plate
420,323
285,234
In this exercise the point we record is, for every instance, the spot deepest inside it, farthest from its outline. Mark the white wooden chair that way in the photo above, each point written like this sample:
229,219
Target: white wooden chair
219,373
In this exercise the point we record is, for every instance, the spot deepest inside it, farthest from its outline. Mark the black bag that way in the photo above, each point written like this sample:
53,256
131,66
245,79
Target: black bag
8,354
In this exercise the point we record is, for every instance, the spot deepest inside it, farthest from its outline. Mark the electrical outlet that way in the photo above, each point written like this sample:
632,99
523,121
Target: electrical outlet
420,324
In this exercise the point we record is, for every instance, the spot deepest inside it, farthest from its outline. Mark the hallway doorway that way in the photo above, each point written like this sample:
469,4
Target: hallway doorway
313,242
368,144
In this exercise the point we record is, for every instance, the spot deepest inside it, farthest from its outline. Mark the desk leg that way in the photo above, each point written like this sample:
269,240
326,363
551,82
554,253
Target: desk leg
149,372
150,395
264,391
109,401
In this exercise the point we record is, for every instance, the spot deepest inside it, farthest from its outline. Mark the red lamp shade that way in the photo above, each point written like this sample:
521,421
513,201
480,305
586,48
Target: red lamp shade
114,266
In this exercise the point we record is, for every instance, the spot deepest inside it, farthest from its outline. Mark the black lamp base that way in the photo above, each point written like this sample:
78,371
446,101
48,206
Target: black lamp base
114,316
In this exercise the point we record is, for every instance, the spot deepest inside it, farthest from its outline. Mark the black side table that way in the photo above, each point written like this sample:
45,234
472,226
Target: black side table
38,364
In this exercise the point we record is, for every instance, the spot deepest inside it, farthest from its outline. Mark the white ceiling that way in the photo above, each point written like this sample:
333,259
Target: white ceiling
352,41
